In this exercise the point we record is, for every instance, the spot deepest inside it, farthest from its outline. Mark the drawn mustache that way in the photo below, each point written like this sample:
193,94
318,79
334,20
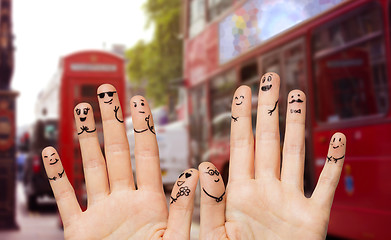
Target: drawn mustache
294,100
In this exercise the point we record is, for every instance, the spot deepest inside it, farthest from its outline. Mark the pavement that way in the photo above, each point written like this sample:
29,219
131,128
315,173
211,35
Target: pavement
44,224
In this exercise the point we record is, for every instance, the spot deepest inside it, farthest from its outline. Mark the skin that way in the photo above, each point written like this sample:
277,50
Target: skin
262,202
116,210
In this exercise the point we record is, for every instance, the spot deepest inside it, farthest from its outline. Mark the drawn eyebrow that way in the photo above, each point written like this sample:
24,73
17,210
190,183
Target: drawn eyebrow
142,100
134,102
52,154
207,168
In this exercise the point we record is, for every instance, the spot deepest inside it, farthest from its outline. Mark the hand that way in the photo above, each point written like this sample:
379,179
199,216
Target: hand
262,202
116,210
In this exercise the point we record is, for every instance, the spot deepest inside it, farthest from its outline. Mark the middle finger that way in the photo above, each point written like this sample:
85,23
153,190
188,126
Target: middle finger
267,145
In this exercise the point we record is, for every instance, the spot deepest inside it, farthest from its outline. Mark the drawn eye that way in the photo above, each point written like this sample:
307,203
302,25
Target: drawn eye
242,97
135,104
217,173
236,97
110,94
142,104
211,172
85,111
78,111
298,95
101,95
292,96
339,139
263,80
269,78
333,139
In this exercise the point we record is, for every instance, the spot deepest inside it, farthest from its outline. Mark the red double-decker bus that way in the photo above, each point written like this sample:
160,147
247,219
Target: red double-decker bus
338,53
77,79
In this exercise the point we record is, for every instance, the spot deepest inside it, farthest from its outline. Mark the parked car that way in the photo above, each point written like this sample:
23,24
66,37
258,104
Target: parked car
35,180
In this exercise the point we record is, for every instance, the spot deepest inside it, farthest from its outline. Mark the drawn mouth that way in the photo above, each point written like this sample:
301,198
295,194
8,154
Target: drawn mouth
180,183
52,163
83,119
141,111
266,88
294,100
217,180
109,102
238,103
335,147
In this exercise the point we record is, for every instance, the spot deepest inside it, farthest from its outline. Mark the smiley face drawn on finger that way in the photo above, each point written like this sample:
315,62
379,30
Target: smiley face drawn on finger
52,159
216,178
336,143
82,115
140,108
185,175
295,98
266,82
109,98
183,190
239,100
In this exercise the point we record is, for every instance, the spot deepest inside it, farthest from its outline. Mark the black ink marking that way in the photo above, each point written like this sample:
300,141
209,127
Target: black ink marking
52,154
61,173
212,172
109,102
141,111
110,94
116,114
149,127
234,118
329,159
53,178
270,112
294,100
83,119
45,156
183,191
236,98
187,175
78,111
296,111
85,129
140,131
52,163
218,199
266,88
180,183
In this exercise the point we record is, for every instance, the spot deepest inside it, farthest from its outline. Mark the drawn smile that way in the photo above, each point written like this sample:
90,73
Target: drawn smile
238,103
83,119
52,163
336,147
266,88
141,111
109,102
217,180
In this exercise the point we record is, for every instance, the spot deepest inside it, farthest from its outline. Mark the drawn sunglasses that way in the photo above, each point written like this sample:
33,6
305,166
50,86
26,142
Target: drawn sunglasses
110,94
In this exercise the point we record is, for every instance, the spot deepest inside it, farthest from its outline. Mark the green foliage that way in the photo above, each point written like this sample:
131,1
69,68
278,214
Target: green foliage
156,63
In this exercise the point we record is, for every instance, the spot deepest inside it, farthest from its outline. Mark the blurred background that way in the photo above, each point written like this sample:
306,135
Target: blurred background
188,57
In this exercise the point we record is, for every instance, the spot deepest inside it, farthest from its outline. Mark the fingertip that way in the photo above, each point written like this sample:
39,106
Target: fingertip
105,87
48,150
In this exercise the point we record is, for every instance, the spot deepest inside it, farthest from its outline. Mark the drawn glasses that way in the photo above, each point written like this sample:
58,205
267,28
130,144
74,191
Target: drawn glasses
110,94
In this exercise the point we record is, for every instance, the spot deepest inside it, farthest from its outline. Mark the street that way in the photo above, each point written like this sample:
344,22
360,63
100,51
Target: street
44,224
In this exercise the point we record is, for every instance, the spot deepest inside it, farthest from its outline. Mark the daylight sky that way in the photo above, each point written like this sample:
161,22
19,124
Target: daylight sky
45,30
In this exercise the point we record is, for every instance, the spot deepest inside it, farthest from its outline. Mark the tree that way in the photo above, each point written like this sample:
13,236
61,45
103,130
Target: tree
159,61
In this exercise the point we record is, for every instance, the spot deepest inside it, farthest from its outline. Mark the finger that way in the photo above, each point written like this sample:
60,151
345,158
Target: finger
212,212
267,144
93,162
182,204
242,139
329,178
146,148
116,143
294,148
63,191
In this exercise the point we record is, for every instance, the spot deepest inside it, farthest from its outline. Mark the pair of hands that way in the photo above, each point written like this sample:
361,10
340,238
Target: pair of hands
260,202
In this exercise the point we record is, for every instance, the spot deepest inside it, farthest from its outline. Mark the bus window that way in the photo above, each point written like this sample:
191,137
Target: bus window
350,72
222,89
249,76
217,7
294,73
197,17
